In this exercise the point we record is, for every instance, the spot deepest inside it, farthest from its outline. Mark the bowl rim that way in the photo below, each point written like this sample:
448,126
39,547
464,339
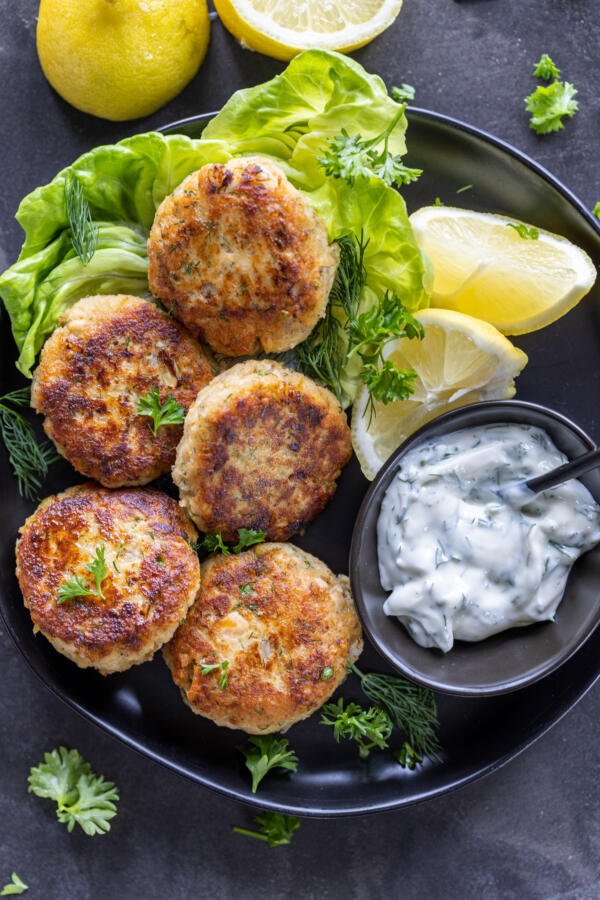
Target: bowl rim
374,493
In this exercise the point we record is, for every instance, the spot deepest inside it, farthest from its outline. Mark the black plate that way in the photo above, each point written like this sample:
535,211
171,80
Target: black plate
143,708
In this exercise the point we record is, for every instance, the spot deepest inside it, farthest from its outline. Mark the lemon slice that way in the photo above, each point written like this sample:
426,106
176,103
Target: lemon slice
483,267
284,28
460,360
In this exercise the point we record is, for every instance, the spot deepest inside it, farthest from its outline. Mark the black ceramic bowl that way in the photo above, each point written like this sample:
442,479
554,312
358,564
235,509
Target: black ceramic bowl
513,658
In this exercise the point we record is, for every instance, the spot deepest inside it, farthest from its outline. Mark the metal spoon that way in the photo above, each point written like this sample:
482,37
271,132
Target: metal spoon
522,492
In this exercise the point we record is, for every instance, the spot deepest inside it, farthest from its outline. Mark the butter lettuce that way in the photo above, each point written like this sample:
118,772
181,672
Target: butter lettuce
289,119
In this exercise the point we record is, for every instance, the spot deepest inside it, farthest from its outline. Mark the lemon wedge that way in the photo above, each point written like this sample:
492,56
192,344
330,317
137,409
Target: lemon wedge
460,360
285,28
485,268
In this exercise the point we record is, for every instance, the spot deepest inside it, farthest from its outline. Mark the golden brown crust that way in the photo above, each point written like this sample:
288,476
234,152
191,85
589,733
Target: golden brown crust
262,448
110,351
241,259
153,573
285,624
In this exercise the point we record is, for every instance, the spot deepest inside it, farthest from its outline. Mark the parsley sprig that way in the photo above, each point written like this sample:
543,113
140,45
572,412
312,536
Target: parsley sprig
266,752
550,103
274,828
82,798
84,234
524,231
28,459
346,332
247,537
15,886
350,157
168,413
75,587
403,93
207,668
368,727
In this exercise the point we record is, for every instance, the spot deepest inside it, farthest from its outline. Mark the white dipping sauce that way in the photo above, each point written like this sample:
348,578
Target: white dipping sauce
461,562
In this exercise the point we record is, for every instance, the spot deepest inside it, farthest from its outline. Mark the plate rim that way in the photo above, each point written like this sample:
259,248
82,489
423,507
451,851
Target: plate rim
315,810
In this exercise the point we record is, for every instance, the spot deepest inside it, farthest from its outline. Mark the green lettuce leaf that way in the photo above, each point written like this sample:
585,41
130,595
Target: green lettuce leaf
288,119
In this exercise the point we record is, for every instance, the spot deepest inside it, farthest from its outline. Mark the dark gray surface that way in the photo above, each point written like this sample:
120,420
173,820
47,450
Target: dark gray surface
530,830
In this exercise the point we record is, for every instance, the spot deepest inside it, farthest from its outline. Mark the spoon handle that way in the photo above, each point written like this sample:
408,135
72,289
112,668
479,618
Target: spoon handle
573,469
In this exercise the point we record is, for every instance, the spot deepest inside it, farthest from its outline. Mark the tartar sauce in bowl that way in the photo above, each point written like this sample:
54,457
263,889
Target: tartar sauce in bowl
460,561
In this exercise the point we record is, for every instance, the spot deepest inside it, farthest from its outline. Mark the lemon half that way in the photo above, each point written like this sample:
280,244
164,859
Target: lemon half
460,360
484,268
121,59
285,27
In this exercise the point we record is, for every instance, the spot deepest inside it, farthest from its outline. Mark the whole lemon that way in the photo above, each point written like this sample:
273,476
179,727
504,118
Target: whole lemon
121,59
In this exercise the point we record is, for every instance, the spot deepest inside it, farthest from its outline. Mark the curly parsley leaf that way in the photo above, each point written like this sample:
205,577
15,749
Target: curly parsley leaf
98,569
524,231
407,757
387,383
545,68
28,459
266,752
71,589
275,828
549,105
84,234
412,708
82,798
213,542
403,93
368,727
15,886
349,157
247,537
168,413
207,668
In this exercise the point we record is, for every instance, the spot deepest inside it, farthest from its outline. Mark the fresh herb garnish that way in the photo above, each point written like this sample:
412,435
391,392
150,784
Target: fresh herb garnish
71,589
207,668
168,413
402,93
525,232
346,332
82,798
75,586
29,460
368,727
15,886
247,537
550,103
84,234
407,757
98,569
349,157
545,68
275,828
266,752
413,709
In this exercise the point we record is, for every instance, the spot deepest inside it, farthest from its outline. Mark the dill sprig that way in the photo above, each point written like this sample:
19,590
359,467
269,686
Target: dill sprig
29,460
412,708
84,234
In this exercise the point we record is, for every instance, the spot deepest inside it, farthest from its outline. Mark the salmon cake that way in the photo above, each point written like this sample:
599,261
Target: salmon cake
268,640
262,448
240,257
108,576
109,354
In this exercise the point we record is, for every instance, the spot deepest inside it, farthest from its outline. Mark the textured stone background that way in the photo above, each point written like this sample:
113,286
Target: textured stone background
530,830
